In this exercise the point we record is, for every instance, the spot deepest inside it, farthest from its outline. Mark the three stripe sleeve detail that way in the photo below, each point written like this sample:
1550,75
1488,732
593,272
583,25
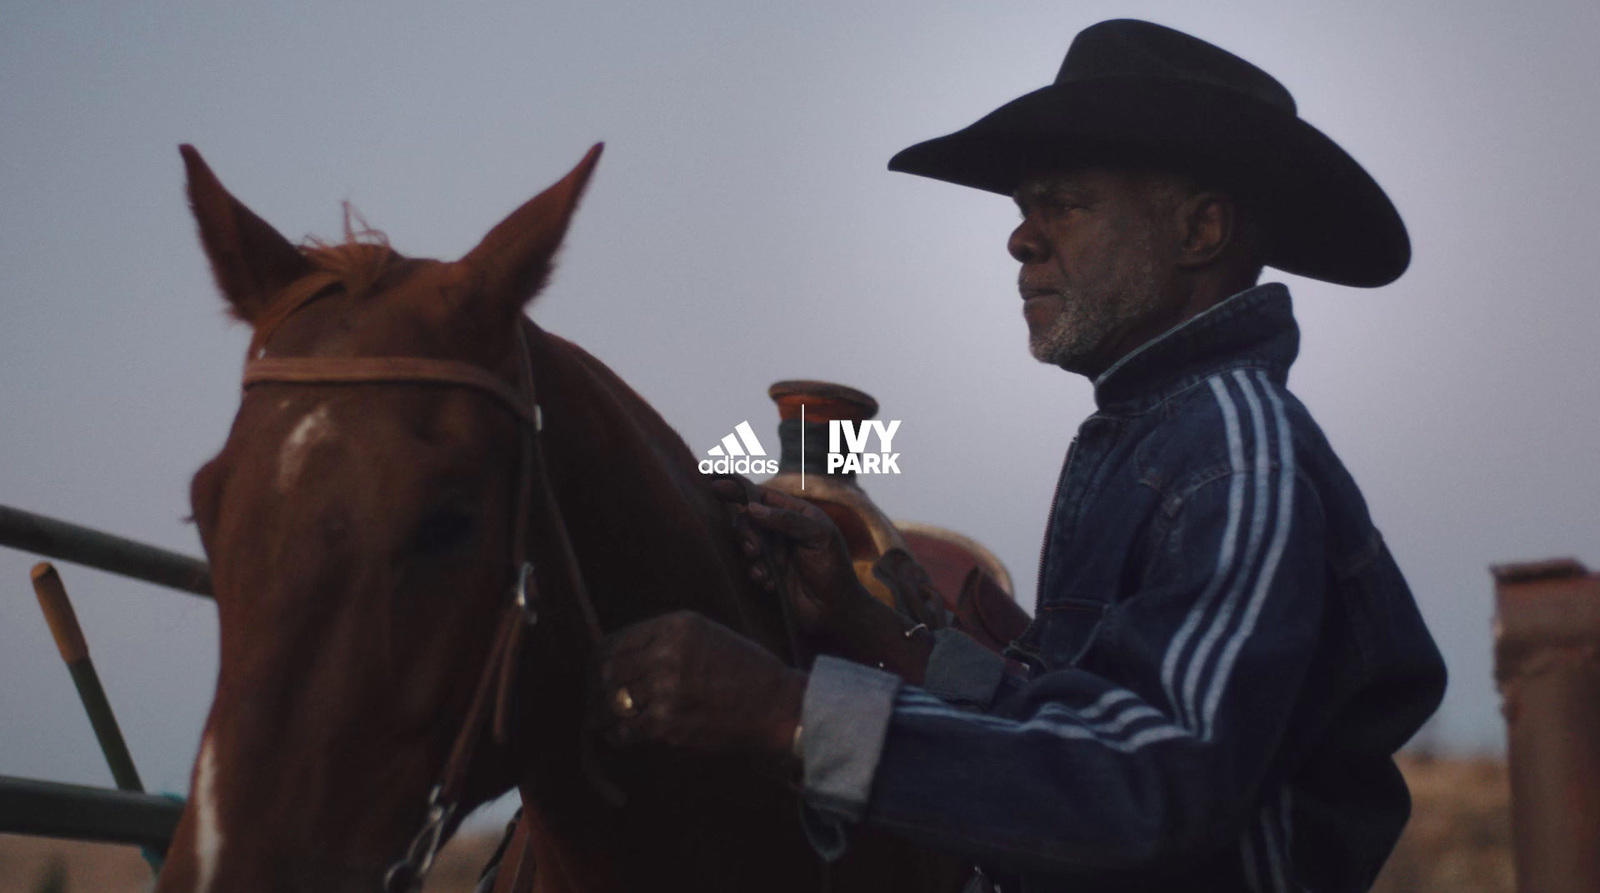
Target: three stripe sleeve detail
1199,660
1200,657
1266,848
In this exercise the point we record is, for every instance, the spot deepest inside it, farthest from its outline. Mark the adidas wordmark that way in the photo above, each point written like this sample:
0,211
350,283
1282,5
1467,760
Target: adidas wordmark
739,453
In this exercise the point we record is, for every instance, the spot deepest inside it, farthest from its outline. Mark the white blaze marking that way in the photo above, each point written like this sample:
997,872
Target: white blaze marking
315,427
208,829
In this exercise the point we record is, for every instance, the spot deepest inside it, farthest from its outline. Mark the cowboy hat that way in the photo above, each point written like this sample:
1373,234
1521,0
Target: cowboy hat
1134,93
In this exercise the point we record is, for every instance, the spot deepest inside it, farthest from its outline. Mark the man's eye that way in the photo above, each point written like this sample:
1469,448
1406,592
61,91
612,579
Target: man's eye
1049,209
441,530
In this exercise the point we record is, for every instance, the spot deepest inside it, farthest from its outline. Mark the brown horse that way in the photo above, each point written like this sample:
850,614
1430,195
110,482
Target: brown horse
362,532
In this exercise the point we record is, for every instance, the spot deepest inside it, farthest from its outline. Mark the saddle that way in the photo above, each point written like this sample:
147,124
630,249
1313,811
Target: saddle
907,565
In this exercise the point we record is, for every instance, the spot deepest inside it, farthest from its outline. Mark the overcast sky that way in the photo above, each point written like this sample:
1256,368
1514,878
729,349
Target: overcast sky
742,229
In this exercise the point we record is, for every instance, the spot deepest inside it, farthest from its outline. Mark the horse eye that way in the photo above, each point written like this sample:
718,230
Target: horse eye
441,530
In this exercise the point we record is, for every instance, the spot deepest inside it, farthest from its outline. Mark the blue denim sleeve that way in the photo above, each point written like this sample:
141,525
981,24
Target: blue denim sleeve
962,671
845,717
843,720
1079,772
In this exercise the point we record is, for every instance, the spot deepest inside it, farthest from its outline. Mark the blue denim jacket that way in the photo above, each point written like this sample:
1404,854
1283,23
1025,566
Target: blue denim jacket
1225,656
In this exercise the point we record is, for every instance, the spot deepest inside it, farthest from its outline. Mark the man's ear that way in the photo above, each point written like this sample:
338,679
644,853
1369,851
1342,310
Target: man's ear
251,261
1207,227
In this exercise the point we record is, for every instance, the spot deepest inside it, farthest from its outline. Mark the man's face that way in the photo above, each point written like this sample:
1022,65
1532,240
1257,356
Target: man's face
1097,249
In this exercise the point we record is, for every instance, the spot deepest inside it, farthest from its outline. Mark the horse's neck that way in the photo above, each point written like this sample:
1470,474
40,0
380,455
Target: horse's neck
649,532
651,537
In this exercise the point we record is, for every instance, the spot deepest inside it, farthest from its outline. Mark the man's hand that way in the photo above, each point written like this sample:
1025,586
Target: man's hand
686,681
824,580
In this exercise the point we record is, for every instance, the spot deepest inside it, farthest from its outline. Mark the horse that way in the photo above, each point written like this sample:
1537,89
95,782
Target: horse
426,512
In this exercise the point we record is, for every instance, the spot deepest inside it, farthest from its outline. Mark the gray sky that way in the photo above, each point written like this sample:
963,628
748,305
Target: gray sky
741,229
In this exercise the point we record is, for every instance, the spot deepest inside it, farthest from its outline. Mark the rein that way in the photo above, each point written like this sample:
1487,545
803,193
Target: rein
491,700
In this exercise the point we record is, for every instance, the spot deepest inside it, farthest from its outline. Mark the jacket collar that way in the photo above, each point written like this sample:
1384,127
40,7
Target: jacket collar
1254,328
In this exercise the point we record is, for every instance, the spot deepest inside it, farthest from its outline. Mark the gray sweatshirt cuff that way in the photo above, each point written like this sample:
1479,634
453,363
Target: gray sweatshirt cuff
962,671
844,721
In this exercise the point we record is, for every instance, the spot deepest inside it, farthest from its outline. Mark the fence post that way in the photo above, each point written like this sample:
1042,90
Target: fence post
75,654
1547,667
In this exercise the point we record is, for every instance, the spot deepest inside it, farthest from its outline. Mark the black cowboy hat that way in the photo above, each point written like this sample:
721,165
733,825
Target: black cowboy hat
1138,94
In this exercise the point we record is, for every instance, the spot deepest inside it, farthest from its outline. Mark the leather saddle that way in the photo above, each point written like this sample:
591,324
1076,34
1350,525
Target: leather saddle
905,564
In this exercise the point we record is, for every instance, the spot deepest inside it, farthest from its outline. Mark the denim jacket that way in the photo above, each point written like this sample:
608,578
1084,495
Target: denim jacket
1225,657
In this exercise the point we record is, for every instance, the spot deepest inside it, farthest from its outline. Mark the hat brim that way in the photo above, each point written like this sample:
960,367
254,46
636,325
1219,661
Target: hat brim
1323,214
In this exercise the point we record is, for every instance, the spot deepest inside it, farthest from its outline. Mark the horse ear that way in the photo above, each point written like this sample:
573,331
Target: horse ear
251,260
513,260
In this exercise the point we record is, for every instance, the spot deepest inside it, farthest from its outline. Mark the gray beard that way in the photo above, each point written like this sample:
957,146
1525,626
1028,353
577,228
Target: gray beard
1089,317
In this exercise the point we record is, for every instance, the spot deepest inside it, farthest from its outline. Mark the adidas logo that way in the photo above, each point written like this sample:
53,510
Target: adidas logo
739,453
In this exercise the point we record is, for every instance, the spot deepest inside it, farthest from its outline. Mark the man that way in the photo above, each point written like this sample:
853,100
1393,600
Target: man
1224,656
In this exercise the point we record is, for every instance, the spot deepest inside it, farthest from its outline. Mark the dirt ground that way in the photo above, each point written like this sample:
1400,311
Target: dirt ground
1459,837
43,865
1459,840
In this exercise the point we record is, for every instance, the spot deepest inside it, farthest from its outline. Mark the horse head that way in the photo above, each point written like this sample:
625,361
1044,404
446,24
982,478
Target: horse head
360,539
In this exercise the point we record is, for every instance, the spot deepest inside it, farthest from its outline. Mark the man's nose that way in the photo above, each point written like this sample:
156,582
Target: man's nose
1027,243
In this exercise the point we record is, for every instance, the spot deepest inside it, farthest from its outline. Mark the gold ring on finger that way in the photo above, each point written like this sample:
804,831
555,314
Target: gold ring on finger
623,702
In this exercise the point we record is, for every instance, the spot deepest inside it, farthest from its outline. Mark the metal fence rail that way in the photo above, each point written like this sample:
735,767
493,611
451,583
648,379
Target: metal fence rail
93,548
80,812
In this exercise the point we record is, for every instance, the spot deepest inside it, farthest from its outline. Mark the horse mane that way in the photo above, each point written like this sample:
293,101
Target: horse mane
360,259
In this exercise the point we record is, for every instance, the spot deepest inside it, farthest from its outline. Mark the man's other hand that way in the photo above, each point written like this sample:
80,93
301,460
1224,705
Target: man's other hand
822,585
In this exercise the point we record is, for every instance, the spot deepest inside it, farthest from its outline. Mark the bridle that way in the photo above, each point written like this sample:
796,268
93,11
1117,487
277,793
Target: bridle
496,681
